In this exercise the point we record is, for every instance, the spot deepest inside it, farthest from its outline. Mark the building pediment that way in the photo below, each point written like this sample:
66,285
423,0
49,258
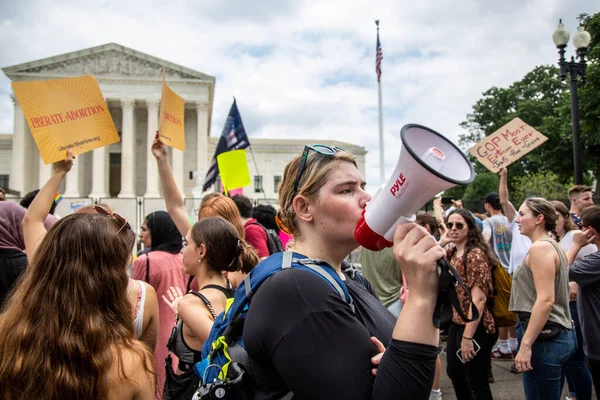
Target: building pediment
110,60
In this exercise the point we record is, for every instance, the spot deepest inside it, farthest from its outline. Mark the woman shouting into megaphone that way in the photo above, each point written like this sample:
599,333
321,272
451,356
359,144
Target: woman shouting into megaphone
301,335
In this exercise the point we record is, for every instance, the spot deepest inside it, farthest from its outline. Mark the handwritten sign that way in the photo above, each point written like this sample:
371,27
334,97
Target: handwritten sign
66,114
171,127
507,145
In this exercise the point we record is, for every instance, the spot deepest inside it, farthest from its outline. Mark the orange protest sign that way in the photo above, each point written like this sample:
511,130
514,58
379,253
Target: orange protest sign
171,127
66,113
507,145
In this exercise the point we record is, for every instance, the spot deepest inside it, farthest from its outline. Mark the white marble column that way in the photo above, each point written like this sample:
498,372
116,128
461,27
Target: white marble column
127,150
178,174
99,173
45,172
202,140
17,173
72,188
152,180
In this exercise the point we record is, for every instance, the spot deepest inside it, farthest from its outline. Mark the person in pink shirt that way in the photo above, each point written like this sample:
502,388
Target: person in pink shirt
162,268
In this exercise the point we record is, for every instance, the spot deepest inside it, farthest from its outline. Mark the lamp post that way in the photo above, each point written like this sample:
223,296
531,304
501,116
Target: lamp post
576,69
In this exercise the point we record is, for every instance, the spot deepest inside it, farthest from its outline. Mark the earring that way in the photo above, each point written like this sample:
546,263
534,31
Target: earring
199,260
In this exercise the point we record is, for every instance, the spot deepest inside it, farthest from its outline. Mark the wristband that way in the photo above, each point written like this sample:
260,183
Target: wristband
467,338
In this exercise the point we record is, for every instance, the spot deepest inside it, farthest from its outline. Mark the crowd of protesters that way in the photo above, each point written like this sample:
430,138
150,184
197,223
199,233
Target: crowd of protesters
84,316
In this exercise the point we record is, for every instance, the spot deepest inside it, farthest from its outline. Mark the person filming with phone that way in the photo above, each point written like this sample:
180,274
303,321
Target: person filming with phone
469,345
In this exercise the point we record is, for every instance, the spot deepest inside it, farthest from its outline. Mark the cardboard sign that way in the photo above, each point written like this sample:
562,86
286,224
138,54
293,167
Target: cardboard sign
66,113
233,168
171,126
507,145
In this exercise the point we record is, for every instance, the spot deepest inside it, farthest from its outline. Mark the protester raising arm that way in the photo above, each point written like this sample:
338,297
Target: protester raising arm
507,206
439,215
33,222
173,199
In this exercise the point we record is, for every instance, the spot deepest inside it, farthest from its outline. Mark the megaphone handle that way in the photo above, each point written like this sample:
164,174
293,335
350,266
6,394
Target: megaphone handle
449,279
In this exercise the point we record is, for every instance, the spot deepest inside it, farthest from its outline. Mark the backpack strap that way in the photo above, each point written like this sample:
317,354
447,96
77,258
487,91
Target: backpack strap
354,273
320,267
148,268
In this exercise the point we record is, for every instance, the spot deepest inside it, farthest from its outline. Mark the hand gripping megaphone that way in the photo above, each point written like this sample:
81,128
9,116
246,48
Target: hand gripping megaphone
428,164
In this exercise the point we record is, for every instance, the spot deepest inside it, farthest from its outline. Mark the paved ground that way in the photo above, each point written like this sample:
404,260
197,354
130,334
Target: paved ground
507,385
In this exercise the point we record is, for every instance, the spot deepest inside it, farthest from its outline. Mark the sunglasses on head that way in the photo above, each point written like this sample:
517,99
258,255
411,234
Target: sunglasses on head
321,149
459,225
117,217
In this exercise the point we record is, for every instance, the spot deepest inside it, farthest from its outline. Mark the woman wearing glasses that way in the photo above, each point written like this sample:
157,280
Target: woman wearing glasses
302,337
67,332
540,296
470,344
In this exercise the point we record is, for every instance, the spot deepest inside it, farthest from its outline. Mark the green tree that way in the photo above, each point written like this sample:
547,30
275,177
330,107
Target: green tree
483,184
543,100
543,184
540,99
589,101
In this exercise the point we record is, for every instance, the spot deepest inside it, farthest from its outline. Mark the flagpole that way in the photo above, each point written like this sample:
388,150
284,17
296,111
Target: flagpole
381,153
257,173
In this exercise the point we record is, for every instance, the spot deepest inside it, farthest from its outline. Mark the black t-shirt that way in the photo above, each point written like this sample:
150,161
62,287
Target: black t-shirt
302,337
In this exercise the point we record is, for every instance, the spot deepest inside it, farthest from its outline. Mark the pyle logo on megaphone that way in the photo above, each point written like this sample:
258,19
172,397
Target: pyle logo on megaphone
397,185
428,164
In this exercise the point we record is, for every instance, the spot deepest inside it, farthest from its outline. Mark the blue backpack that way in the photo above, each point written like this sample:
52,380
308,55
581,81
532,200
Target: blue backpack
222,371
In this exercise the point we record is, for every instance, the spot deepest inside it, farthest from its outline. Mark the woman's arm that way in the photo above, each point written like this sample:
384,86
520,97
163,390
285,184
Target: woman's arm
196,316
33,222
173,199
507,206
438,212
468,350
417,252
542,262
580,240
150,325
139,382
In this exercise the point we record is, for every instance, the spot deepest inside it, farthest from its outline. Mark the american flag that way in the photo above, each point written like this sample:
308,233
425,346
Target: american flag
378,57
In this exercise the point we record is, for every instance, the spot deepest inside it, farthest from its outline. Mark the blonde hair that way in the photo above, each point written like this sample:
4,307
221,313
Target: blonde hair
316,172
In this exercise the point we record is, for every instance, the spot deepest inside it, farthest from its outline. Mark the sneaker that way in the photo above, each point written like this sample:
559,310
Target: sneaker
514,369
499,355
435,395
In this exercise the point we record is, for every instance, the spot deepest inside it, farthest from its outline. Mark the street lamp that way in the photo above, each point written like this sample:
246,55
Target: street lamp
581,41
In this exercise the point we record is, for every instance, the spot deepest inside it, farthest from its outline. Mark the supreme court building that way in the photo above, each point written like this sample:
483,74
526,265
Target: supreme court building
131,84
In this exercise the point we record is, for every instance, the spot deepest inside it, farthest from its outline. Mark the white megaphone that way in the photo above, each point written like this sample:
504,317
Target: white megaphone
428,164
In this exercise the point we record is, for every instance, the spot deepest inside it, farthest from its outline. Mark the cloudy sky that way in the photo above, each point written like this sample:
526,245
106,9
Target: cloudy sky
305,69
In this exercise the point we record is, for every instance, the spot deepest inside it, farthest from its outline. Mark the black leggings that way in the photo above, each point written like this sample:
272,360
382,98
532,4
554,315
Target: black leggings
595,371
470,380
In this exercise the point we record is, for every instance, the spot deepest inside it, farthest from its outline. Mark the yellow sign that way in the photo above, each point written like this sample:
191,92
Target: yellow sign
66,113
233,167
507,145
171,126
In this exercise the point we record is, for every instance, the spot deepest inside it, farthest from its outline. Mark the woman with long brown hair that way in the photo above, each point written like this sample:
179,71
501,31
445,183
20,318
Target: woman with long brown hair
66,332
470,344
211,247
